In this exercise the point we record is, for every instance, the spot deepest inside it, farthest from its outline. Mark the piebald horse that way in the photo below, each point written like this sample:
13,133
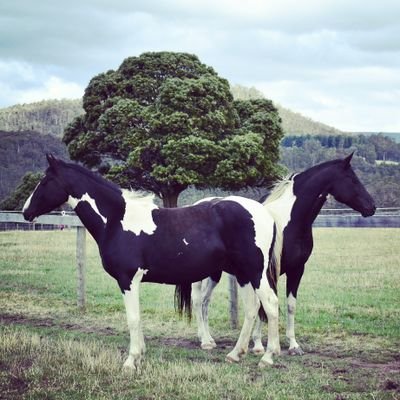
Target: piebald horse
139,242
294,204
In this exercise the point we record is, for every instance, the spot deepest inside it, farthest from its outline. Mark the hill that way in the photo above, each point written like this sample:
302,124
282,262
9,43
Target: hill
48,117
293,123
21,152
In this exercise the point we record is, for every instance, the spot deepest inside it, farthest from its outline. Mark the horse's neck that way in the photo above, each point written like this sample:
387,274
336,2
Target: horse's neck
282,206
311,191
301,201
92,221
95,205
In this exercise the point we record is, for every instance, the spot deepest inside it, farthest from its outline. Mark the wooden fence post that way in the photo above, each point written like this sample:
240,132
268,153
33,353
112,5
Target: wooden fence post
81,265
233,301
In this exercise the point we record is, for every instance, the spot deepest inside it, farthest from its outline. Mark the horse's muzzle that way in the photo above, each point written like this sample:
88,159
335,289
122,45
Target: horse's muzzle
369,212
28,217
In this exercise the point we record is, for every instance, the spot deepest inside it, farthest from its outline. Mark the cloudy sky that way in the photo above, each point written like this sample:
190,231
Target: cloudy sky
335,61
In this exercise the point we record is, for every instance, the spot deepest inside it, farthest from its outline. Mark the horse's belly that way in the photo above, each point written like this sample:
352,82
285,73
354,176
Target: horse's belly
184,265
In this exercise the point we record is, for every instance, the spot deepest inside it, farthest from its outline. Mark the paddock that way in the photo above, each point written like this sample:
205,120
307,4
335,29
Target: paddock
348,325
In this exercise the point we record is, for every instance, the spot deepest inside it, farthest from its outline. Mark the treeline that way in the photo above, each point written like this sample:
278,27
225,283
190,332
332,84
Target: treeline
382,179
376,147
48,117
21,152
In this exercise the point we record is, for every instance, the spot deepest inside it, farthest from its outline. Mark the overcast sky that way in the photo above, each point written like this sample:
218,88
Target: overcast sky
335,61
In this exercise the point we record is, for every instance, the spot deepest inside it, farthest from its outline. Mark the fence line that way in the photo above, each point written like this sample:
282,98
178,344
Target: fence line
329,218
58,219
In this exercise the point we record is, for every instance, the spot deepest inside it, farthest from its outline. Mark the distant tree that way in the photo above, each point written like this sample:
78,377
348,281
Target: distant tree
165,121
16,200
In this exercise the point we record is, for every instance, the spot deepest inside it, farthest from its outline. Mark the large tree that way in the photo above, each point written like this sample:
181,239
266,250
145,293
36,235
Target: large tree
165,121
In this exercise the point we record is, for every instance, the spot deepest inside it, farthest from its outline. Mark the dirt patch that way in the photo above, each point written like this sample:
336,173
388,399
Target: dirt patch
12,385
50,323
190,344
389,367
177,342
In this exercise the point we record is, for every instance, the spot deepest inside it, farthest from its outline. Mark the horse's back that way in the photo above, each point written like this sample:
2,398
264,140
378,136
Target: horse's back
248,234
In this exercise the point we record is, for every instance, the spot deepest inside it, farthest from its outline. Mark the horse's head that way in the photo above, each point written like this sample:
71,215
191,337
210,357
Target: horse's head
48,194
348,189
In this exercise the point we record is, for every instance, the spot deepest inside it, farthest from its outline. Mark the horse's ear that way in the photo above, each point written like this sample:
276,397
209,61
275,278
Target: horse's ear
347,160
52,160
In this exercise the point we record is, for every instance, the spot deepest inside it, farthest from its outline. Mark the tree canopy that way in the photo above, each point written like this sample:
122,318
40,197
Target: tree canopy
164,121
16,200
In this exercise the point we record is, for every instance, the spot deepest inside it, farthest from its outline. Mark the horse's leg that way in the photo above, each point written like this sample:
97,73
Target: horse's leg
201,294
207,288
269,301
131,299
292,284
251,305
258,347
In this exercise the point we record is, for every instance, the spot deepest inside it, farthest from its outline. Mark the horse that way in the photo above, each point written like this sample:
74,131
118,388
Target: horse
140,242
294,203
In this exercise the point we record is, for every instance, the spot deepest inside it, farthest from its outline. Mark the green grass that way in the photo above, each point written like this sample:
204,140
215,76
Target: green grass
347,321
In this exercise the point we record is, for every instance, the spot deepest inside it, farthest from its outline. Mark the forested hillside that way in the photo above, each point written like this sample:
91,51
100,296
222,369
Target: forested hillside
21,152
48,117
52,116
376,160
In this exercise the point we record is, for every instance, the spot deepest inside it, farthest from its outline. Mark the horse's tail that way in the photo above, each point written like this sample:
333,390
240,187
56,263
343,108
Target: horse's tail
274,266
183,299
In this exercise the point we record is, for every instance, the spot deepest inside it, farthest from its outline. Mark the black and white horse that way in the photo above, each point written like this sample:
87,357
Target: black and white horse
138,242
294,204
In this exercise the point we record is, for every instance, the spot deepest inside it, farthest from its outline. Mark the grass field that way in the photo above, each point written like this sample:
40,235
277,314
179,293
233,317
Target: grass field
348,322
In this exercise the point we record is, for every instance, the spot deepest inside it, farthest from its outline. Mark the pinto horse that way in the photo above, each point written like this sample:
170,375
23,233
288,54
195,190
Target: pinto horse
294,204
139,242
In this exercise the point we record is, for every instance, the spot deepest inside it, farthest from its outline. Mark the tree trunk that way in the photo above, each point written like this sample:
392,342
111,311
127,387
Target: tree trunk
170,200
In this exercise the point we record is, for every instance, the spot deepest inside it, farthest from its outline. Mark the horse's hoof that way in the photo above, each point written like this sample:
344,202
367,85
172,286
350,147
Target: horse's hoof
259,351
265,363
208,346
231,360
295,351
132,364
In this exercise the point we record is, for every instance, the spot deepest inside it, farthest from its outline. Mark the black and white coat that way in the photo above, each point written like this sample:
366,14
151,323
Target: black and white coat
139,242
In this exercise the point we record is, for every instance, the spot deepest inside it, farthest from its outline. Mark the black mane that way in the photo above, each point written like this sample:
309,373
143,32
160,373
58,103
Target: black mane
91,175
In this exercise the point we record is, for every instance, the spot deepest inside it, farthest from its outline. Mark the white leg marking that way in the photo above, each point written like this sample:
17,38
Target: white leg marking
131,299
201,294
258,347
269,301
251,305
294,348
207,288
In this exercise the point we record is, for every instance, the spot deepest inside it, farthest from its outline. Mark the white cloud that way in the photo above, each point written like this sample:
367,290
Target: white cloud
53,88
25,83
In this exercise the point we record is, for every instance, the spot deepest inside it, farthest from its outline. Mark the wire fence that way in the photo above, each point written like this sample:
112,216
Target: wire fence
328,218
